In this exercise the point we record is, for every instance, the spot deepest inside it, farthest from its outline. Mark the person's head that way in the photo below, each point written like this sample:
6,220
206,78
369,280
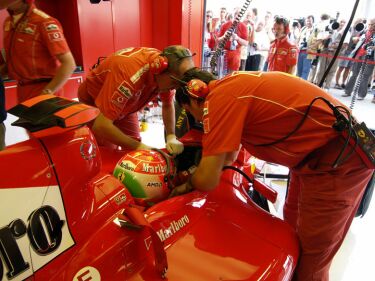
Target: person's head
280,26
209,15
192,94
342,23
371,25
230,17
324,17
179,60
260,26
267,17
14,4
309,21
223,13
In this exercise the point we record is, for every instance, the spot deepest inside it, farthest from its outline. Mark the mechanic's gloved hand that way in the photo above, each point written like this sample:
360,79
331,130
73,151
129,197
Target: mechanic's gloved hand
174,146
143,146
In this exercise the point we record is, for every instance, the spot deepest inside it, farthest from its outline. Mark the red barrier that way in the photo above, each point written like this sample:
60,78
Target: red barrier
338,57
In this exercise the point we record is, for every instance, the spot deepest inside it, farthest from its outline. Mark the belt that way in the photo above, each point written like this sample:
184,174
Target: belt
35,81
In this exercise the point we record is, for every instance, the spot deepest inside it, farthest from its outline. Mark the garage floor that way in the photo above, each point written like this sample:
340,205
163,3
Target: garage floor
354,260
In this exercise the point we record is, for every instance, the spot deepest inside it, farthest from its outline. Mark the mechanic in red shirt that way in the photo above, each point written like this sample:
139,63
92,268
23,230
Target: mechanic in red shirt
282,55
259,110
233,46
36,52
124,83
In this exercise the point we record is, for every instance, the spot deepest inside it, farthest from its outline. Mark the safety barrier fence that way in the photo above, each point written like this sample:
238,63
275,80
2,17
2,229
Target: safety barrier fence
338,57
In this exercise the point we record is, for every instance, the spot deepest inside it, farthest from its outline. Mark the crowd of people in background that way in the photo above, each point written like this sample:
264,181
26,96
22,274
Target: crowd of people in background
303,47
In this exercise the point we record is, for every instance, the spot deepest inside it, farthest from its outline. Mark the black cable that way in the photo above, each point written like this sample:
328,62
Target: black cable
300,123
342,123
340,44
238,171
236,21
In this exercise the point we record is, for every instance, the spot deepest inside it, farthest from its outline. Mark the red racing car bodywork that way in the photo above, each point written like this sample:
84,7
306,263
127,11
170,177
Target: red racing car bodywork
64,216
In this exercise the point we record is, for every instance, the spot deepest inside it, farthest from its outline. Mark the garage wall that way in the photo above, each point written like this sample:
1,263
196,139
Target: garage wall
94,30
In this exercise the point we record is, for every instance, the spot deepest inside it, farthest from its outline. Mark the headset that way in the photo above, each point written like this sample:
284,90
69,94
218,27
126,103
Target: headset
195,88
169,55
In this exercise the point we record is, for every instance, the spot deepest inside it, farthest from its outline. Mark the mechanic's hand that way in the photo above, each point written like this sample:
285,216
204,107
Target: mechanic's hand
174,146
179,190
142,146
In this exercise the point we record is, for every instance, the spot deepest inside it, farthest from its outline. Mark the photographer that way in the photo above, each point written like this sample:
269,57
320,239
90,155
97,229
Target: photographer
304,60
328,49
346,64
363,50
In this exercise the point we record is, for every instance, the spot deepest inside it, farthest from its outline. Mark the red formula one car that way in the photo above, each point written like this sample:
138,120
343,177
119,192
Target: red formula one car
65,216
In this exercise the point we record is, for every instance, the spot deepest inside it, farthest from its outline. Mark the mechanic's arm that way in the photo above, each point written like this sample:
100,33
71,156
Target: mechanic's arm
207,176
230,157
105,129
63,73
169,119
174,146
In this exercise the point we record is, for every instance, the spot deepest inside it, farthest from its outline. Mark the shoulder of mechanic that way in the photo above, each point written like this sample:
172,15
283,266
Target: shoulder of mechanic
45,22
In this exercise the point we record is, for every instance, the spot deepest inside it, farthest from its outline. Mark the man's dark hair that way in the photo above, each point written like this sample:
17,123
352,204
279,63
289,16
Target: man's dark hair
325,17
311,17
182,96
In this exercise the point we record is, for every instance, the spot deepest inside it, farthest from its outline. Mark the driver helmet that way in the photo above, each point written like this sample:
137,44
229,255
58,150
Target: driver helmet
146,174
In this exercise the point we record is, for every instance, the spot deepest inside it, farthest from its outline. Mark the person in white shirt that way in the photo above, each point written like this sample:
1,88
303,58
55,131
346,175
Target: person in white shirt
304,61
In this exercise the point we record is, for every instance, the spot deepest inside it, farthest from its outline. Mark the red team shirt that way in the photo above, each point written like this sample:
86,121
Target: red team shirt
245,108
282,55
31,46
122,83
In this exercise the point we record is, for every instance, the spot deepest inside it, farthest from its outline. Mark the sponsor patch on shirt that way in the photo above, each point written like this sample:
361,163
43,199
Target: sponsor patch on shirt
29,28
125,91
118,100
51,26
282,52
206,125
55,36
205,108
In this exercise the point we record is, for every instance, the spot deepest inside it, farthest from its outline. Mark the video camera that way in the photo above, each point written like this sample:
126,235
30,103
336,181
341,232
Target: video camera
333,25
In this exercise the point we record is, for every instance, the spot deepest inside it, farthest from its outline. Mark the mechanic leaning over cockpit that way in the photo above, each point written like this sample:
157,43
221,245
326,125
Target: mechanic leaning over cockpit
123,83
285,120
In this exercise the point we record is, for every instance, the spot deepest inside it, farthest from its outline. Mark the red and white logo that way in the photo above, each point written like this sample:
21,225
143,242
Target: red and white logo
118,100
55,36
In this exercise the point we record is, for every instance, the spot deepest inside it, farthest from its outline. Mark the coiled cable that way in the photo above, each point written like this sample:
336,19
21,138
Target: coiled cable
228,34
